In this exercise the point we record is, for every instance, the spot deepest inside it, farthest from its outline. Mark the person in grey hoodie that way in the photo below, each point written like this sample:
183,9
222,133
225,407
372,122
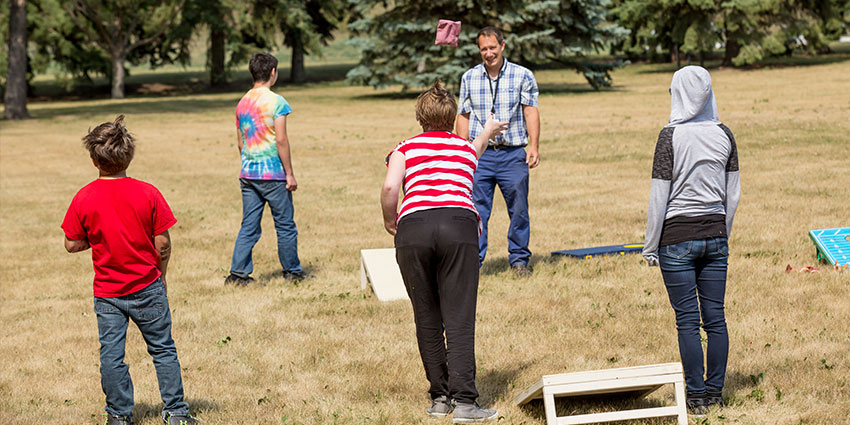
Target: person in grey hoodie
694,193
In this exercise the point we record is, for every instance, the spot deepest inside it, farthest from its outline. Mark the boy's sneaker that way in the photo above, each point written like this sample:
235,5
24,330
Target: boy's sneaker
117,420
238,280
521,270
440,407
186,419
296,277
470,413
696,404
714,399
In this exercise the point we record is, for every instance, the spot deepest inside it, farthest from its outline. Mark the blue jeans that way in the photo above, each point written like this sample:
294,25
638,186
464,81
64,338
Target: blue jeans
695,276
506,168
149,310
255,195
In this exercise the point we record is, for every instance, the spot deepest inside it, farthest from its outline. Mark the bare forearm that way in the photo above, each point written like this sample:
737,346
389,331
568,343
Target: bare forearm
462,126
389,203
162,244
532,119
285,156
72,245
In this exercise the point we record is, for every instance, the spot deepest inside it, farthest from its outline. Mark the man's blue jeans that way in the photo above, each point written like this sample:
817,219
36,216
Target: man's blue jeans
695,276
255,195
149,310
506,168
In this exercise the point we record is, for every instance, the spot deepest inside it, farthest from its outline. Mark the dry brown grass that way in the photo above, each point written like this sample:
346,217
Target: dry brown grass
325,352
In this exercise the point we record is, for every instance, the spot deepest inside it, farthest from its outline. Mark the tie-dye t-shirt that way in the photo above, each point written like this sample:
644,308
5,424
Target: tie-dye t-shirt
255,115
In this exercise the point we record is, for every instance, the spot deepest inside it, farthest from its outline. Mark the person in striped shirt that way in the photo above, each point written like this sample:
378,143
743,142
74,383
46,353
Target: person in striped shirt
436,239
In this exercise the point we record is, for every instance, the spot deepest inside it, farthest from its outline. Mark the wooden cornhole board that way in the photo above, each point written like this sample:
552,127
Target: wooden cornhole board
640,380
379,269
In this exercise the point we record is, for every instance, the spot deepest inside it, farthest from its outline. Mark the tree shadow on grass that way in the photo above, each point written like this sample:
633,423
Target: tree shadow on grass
598,403
197,407
495,384
136,107
575,88
500,264
771,63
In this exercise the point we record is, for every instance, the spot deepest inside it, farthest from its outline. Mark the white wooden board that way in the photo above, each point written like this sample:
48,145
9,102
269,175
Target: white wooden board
640,380
378,269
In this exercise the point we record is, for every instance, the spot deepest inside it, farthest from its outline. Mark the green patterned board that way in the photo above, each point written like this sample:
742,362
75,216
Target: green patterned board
833,245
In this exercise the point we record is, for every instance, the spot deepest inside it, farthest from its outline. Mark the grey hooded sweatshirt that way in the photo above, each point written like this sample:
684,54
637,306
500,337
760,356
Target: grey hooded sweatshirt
695,169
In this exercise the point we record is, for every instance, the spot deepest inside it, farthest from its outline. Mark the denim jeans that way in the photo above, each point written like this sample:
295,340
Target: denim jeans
149,310
255,195
695,276
506,168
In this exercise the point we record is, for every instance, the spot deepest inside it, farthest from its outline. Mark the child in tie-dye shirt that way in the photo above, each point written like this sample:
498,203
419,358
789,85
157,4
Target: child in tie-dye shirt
266,175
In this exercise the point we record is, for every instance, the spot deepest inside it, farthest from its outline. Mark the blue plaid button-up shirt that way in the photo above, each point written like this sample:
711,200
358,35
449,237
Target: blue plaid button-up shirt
516,87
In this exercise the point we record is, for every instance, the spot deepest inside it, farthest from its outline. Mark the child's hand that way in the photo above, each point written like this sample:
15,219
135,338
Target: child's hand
291,183
494,128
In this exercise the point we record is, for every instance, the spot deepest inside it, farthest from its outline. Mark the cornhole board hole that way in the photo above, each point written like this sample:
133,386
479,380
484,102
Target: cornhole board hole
833,245
379,269
600,250
640,380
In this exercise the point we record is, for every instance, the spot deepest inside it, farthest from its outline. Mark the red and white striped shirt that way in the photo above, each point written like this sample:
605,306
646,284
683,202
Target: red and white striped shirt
439,168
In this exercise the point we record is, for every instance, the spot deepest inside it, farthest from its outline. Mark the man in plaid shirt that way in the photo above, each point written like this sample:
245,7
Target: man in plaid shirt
508,92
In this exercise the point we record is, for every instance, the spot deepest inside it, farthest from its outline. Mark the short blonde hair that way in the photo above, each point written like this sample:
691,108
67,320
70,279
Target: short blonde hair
436,108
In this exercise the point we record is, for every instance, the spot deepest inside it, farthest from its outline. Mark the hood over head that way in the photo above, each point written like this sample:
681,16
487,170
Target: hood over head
691,97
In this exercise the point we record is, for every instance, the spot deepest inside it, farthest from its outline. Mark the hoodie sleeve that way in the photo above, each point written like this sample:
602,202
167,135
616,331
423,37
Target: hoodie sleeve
733,181
662,175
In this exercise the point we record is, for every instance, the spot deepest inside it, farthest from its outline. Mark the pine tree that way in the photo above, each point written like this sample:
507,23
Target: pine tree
397,45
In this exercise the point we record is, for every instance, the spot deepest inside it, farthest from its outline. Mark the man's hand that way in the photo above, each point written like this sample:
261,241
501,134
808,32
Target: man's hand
291,183
532,158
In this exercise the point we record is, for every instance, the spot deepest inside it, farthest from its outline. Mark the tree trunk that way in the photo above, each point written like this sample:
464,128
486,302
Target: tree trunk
15,98
218,77
117,76
732,49
675,56
297,74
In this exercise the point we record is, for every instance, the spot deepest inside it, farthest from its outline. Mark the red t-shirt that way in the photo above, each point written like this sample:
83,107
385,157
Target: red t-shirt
119,218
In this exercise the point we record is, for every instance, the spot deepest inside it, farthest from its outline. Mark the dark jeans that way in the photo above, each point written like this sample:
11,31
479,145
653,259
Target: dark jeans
437,252
255,195
506,168
149,310
695,276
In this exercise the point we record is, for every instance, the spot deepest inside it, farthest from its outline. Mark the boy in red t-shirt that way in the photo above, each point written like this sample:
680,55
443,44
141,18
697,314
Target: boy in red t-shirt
125,222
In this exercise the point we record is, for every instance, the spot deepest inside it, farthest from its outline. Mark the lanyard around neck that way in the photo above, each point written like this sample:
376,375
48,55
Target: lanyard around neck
494,93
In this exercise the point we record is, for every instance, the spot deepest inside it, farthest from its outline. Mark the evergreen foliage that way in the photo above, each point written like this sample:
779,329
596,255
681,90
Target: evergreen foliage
397,42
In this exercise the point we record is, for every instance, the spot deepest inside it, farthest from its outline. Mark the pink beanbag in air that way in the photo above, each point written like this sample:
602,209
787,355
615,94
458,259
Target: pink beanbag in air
447,33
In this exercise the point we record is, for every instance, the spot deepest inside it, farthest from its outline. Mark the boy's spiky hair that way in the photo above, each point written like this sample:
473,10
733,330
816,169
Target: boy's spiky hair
111,146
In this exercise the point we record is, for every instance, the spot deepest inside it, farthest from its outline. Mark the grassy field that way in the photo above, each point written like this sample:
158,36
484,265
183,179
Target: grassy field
324,352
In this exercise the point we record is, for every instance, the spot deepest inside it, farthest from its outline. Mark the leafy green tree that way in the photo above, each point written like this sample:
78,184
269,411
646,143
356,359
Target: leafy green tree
126,29
397,44
750,30
306,26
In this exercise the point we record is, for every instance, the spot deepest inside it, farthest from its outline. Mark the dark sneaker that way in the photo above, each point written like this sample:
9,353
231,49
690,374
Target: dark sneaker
470,413
297,277
521,270
696,404
187,419
238,280
440,407
714,399
117,420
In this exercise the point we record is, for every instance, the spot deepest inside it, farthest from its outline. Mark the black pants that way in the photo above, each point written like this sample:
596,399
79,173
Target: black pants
437,252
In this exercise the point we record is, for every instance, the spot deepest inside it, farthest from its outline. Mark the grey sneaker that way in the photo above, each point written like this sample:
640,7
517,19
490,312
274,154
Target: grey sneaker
117,420
187,419
440,406
470,413
297,277
714,399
